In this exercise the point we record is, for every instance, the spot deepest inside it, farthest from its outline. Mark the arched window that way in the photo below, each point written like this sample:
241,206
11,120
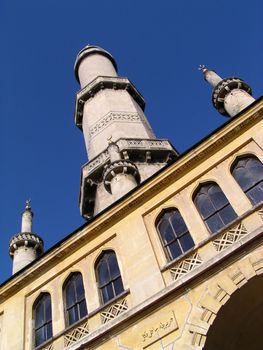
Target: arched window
42,319
74,299
174,234
108,276
213,206
248,173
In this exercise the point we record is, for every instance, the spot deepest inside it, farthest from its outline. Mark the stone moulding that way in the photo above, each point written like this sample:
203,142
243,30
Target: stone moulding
134,151
128,145
223,88
101,83
26,239
124,117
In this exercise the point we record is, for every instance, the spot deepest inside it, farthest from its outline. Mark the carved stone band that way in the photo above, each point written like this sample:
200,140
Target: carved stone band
112,117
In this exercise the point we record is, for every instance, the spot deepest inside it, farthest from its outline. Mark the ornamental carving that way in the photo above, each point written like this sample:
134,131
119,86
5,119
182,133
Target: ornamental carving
114,310
76,334
114,117
185,266
229,237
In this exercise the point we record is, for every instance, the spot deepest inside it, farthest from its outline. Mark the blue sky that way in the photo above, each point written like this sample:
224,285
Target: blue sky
157,45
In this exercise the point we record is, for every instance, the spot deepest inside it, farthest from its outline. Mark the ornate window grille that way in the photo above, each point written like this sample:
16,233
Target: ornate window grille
174,234
248,172
213,206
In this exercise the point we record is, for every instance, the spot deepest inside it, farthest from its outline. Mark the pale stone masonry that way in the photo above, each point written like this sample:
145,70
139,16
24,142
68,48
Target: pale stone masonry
207,297
109,110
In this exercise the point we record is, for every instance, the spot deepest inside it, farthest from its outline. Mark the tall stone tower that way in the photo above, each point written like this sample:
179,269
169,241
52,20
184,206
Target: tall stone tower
122,148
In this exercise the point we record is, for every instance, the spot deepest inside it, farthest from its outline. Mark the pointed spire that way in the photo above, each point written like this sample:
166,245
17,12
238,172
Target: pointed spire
230,95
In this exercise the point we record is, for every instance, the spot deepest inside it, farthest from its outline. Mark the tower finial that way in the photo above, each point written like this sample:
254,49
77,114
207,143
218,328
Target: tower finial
28,204
202,67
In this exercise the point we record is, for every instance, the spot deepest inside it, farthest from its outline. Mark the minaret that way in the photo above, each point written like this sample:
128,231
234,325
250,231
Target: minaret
122,148
230,95
25,246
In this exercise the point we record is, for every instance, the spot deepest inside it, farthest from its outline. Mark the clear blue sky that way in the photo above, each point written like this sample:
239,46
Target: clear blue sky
157,44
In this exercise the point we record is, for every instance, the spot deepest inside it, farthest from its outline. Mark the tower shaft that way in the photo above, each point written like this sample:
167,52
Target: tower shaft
109,110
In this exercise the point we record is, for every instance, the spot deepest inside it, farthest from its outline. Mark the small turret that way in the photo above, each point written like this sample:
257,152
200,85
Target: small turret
25,246
230,95
121,175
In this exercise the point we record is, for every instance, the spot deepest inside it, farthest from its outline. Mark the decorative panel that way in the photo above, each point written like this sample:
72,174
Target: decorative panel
114,310
76,333
185,266
229,237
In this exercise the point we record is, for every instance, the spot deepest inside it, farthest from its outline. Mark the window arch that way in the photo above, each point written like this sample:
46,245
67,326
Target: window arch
248,173
74,299
174,233
42,319
213,206
108,276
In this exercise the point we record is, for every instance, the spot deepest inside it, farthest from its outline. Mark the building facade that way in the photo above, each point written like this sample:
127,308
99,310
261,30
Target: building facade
171,255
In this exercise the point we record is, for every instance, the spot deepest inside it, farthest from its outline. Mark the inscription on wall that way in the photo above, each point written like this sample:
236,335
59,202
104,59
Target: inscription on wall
159,330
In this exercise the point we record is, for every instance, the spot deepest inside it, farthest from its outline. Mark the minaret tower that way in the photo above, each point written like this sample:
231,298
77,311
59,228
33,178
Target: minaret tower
122,148
230,95
25,246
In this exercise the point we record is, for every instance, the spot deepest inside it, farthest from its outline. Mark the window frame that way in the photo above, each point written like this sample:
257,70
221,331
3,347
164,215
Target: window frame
247,157
46,322
217,211
77,302
176,238
102,257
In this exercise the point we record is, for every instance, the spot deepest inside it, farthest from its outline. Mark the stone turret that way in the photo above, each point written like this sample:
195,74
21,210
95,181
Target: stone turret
230,95
109,107
25,246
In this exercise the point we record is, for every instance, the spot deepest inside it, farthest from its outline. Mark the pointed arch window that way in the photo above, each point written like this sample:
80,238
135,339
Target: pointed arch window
42,319
248,173
74,299
213,206
108,276
174,234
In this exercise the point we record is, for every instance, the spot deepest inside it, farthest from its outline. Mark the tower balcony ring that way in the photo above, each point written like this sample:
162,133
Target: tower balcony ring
223,88
119,167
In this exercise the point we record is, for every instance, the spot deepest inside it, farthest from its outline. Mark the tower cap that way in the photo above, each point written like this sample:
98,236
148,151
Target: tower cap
90,50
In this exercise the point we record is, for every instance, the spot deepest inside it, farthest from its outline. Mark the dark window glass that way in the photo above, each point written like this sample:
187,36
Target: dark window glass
248,172
108,276
74,296
43,319
174,234
214,207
